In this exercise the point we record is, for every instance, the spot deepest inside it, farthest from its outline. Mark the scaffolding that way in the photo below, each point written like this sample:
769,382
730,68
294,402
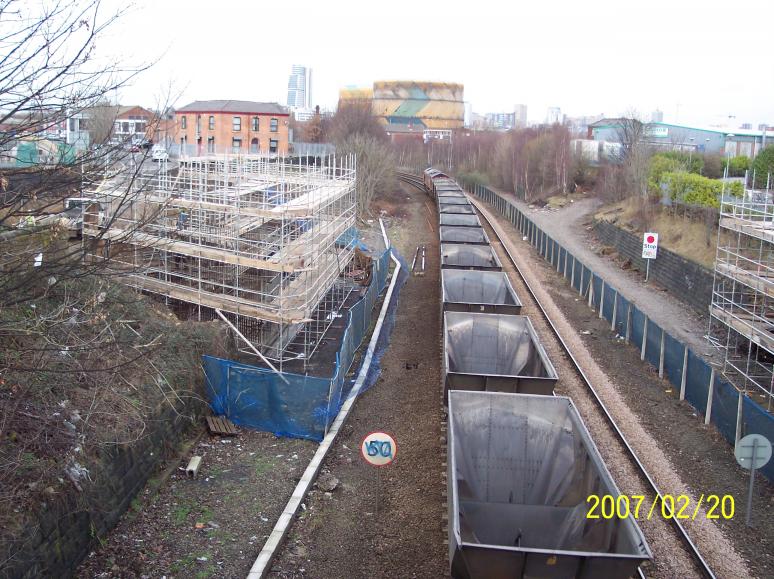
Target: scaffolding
266,242
742,309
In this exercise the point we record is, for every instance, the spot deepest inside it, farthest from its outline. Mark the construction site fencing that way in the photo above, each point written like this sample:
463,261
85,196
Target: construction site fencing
715,399
300,406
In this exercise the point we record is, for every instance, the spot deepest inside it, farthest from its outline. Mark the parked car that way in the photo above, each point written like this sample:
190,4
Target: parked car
159,153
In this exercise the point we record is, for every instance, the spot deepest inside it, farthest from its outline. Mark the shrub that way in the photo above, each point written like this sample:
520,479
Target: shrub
737,166
697,190
763,165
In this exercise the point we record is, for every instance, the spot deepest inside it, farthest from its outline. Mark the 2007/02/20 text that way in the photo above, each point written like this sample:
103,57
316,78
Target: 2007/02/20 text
680,507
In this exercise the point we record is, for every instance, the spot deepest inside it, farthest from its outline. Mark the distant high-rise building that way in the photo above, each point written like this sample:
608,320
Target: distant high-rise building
521,115
764,126
554,115
468,114
746,126
300,87
657,116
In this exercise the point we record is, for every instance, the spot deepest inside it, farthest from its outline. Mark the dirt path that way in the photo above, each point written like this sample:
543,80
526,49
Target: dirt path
343,533
569,227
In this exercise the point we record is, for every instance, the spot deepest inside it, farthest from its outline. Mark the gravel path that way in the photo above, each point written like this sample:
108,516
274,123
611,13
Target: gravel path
569,226
668,561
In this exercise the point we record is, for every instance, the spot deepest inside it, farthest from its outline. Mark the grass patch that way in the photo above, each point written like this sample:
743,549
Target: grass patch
180,514
263,465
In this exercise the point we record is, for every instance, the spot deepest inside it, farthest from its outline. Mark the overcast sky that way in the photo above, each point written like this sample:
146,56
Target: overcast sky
698,61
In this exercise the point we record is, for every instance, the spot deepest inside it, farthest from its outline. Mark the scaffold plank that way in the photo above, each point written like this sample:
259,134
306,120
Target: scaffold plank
746,326
759,283
223,255
762,230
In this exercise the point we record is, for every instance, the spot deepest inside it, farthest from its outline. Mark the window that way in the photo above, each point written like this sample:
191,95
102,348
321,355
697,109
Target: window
211,125
72,124
256,124
183,124
210,144
124,127
236,144
198,124
255,146
139,127
273,146
236,124
274,125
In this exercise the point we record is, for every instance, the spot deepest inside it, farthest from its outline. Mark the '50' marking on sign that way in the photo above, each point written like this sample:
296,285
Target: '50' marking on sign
378,448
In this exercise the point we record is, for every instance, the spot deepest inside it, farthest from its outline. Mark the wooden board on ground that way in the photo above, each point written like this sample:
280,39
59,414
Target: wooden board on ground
221,425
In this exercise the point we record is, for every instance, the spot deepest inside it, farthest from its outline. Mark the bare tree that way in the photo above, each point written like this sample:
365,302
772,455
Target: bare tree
76,350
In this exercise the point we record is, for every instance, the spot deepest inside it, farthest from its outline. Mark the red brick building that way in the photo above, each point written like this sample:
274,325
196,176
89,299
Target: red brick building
221,126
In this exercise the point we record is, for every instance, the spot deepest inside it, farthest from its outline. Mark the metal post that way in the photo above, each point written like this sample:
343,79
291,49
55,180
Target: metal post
629,323
615,311
708,414
647,270
644,339
684,376
602,300
591,289
752,482
739,415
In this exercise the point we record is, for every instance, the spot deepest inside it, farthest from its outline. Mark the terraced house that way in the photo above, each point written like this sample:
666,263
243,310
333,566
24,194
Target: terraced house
232,126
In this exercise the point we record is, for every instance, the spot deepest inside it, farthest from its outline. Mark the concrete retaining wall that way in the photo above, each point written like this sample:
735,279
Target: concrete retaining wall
686,279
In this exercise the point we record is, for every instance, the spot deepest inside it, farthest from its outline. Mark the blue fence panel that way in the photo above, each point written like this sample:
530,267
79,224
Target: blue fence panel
621,318
757,421
597,294
653,344
697,382
638,327
725,401
673,360
608,303
575,273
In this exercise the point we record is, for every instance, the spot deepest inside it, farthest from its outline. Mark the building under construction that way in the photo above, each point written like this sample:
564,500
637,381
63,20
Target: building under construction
265,244
743,296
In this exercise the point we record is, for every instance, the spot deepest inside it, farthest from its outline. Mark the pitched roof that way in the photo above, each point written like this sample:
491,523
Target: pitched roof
231,106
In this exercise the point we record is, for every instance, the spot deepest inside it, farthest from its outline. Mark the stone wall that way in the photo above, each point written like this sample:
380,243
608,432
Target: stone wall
63,531
686,279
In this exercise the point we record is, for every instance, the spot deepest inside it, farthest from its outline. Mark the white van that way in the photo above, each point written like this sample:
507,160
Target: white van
159,153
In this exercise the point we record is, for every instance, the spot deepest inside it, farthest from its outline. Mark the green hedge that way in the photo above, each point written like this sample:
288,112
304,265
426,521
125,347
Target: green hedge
697,190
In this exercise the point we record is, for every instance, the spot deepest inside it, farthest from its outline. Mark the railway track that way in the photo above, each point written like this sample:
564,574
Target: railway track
528,295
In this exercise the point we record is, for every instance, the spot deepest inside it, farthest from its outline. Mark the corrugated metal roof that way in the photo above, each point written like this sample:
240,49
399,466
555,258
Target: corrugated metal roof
233,106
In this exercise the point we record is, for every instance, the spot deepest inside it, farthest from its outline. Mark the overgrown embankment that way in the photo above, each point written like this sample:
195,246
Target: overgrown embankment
97,383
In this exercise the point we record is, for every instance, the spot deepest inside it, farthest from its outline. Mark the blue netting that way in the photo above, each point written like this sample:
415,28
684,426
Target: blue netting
351,237
303,407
